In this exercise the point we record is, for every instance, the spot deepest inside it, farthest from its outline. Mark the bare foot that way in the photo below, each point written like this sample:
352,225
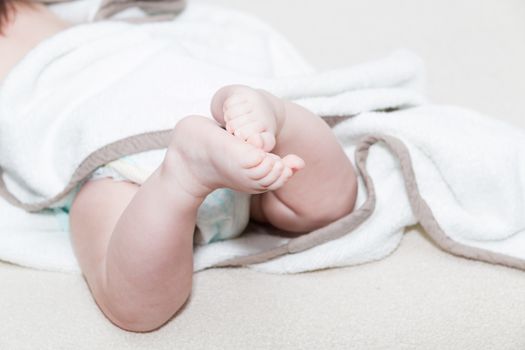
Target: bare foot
203,157
249,115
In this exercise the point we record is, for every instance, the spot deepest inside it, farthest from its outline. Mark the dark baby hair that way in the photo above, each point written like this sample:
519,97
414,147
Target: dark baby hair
6,9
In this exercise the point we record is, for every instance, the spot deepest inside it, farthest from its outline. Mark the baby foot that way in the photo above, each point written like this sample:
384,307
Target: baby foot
249,115
203,157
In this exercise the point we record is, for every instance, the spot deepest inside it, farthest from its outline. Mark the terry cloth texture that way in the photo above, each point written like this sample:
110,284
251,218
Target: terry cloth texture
417,162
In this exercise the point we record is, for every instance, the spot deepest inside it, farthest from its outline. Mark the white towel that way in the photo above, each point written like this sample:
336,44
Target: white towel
468,167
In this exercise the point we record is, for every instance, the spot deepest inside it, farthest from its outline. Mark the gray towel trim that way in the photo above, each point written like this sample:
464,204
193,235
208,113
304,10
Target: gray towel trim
113,151
349,223
159,10
160,139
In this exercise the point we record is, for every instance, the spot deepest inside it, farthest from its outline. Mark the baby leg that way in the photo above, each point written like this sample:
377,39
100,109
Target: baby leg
323,191
134,244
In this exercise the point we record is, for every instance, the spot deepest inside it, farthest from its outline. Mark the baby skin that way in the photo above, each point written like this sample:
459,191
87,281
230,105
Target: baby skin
135,243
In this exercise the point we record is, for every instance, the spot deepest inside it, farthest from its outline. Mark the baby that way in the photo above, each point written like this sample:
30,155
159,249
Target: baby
135,243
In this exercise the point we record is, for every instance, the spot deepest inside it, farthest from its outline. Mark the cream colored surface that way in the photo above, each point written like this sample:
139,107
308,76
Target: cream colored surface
418,298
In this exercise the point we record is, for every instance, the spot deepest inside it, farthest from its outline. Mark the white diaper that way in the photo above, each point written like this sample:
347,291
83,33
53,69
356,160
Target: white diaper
224,213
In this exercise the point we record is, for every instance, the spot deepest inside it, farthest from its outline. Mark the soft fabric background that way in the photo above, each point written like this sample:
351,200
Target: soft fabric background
418,298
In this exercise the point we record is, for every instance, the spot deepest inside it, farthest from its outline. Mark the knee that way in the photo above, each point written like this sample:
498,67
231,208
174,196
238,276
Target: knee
141,317
135,323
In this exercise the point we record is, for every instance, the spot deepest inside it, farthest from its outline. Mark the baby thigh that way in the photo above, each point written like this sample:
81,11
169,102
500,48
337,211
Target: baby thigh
322,192
135,255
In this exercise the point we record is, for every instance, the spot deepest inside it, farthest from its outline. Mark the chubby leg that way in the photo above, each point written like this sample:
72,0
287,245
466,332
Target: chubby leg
134,246
323,191
135,243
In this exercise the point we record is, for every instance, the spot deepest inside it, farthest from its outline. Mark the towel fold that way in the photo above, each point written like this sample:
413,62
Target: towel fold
454,171
104,9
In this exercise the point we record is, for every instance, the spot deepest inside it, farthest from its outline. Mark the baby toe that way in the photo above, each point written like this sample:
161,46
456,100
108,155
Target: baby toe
248,130
261,170
237,110
294,162
273,175
256,140
252,157
285,176
268,140
234,125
